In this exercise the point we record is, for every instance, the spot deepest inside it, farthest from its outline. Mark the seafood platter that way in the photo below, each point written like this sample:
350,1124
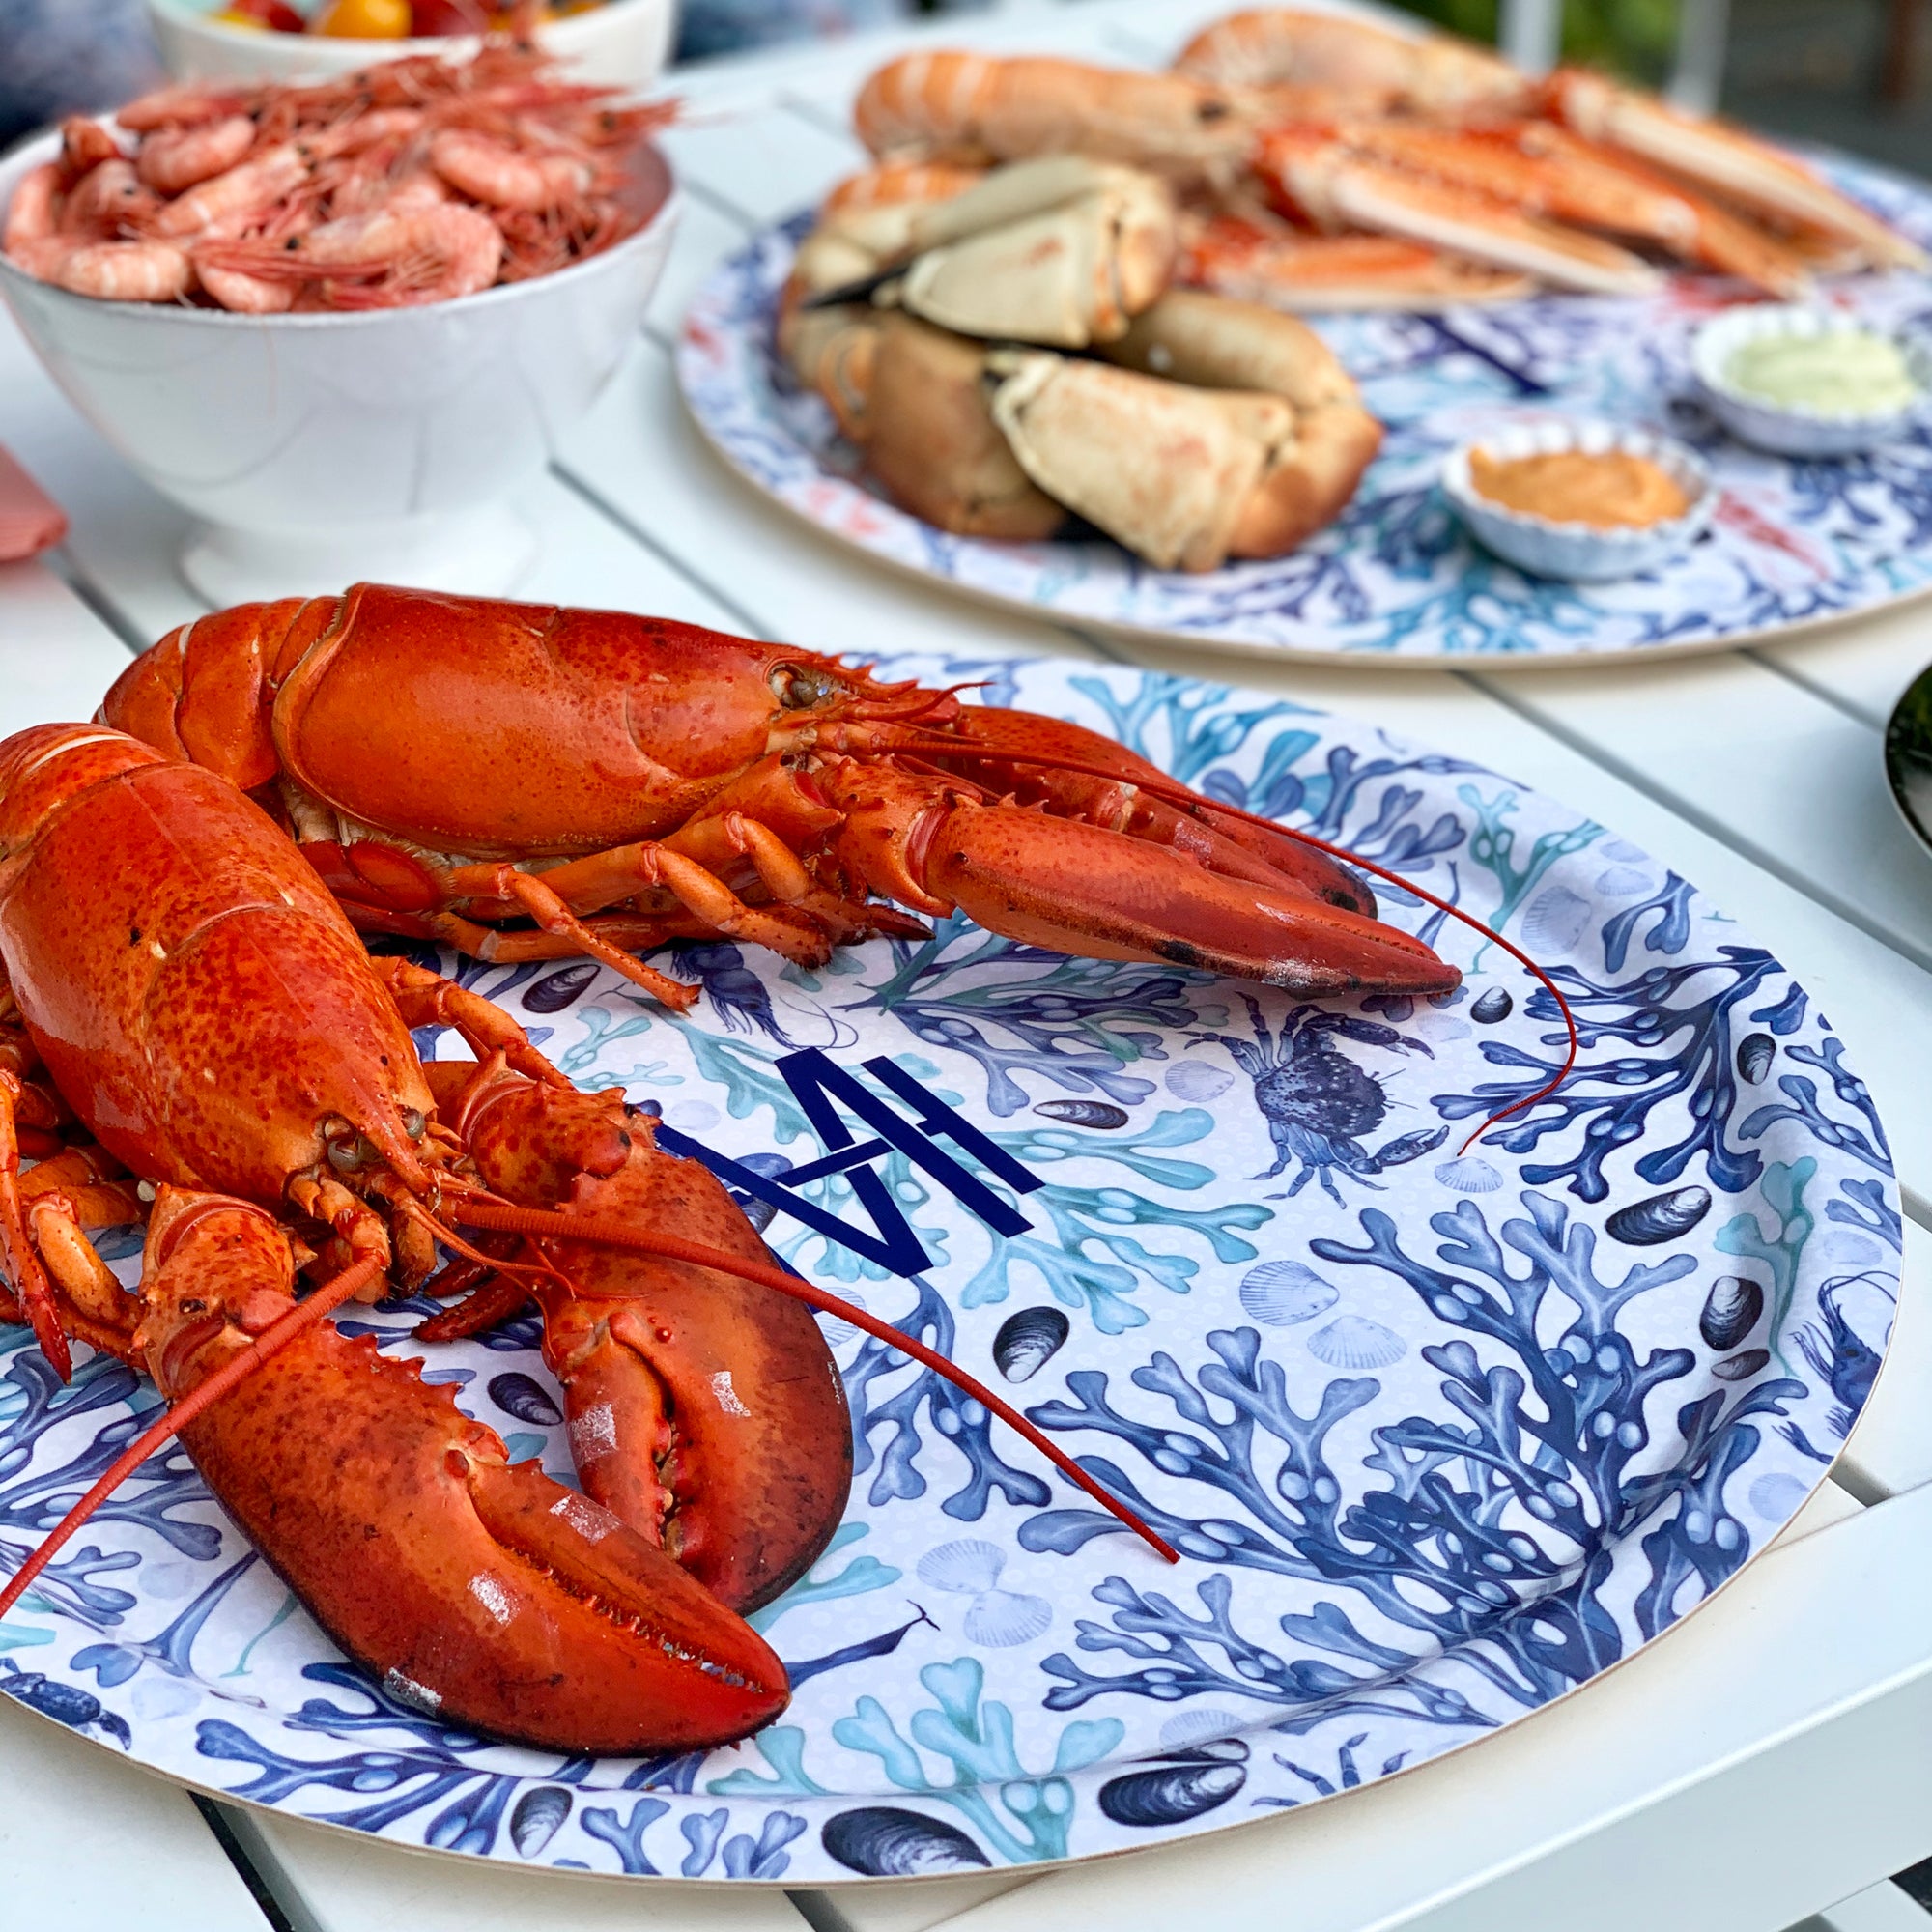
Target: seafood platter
638,1251
1076,1308
1229,353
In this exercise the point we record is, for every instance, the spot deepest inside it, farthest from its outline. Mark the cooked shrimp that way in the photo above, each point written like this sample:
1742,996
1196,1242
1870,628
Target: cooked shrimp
106,201
496,173
245,295
85,143
33,213
145,271
178,157
187,105
433,254
238,195
390,258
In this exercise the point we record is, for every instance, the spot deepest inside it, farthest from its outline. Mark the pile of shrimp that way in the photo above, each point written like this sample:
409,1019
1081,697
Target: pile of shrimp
412,182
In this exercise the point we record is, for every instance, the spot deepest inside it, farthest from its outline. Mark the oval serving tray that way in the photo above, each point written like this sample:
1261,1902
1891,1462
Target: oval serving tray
1398,580
1442,1434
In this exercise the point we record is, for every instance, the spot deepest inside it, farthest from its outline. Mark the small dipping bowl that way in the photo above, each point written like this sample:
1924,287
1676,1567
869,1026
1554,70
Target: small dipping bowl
1584,553
1789,429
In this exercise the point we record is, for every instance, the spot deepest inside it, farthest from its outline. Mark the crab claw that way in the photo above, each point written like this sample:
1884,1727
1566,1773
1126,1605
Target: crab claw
1073,887
475,1590
704,1410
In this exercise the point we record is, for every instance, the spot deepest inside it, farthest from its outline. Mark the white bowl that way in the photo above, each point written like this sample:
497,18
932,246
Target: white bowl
1579,552
621,44
1787,429
317,449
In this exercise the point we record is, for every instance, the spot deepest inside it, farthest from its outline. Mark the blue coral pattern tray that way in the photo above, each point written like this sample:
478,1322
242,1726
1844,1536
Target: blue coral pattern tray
1442,1432
1396,580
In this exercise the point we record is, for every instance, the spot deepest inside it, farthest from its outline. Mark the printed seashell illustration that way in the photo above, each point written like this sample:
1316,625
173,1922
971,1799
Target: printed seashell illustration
1281,1293
835,1329
1755,1052
757,1211
1659,1217
1172,1795
1741,1368
997,1618
1003,1619
1083,1113
1469,1176
883,1841
556,990
1493,1006
1193,1727
1199,1080
965,1567
1778,1495
526,1400
1355,1342
1620,882
1029,1338
1731,1310
1556,921
539,1812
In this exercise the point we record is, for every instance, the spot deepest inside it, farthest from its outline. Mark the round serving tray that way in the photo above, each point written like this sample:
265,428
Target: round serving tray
1396,580
1442,1434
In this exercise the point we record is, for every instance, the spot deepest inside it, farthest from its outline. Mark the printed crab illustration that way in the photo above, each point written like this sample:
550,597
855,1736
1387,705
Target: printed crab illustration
1318,1104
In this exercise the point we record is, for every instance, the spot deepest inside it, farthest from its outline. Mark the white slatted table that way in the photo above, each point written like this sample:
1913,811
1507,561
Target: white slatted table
1771,1757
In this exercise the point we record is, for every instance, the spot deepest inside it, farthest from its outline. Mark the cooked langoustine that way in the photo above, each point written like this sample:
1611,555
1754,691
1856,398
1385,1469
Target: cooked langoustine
1478,173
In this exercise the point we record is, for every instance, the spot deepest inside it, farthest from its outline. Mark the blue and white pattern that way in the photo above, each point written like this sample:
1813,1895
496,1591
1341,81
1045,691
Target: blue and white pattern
1442,1434
1398,579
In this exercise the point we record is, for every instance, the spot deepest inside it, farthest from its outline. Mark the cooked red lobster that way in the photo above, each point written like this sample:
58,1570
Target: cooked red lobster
187,1018
453,765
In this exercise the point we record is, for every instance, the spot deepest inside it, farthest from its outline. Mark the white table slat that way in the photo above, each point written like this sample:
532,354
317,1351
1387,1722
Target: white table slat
704,237
89,1841
56,657
1780,773
1880,1908
1793,1712
329,1881
1864,666
763,160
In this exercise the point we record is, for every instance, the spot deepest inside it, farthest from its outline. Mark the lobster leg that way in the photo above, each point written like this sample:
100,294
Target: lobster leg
703,1411
475,1589
31,1293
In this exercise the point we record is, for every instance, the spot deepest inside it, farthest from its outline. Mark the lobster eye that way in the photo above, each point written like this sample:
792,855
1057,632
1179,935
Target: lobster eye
799,690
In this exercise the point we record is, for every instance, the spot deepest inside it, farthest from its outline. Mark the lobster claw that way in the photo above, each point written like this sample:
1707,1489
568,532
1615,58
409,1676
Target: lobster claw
478,1591
1072,886
1222,843
704,1410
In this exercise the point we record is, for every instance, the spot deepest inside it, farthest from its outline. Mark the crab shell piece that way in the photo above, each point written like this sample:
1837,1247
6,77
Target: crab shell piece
1063,251
1231,431
934,442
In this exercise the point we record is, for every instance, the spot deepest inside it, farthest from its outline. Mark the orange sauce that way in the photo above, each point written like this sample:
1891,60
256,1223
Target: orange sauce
1613,490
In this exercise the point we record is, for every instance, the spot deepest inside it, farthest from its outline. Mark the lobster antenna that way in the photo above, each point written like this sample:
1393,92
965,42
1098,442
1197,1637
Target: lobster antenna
272,1341
585,1228
1180,796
